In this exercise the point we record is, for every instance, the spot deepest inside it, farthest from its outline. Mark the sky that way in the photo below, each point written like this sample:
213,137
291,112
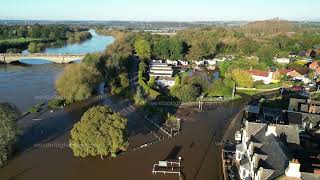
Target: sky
159,10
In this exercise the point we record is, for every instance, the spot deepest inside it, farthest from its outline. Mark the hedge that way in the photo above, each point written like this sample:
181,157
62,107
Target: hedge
152,93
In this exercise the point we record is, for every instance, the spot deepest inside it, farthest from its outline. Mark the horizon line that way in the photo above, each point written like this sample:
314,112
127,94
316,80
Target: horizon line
177,21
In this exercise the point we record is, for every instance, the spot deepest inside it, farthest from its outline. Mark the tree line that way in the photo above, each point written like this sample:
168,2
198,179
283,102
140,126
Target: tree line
36,37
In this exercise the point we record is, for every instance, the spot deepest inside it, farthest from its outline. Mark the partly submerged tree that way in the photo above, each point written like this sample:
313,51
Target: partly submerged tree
8,130
99,132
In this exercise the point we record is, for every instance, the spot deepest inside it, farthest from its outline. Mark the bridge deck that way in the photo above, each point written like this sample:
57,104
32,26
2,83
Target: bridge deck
57,58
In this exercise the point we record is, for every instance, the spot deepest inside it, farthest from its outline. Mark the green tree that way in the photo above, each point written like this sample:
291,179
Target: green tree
161,48
78,82
99,132
177,81
142,48
138,97
36,47
152,82
8,130
185,93
242,78
266,54
175,47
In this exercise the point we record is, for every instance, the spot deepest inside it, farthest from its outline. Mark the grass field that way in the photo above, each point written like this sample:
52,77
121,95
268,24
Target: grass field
21,40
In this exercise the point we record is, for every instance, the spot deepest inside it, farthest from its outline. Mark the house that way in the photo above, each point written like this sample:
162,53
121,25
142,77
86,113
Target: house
304,105
272,115
183,63
297,74
315,65
265,151
200,63
259,75
162,72
156,61
210,62
252,112
165,81
173,63
311,53
282,60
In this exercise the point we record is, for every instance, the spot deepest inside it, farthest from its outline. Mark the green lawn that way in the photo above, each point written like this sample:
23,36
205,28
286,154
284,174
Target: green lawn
21,40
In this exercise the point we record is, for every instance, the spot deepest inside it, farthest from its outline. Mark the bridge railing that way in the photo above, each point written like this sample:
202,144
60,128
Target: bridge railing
39,55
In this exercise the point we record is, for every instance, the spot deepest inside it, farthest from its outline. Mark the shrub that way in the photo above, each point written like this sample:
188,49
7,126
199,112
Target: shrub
55,103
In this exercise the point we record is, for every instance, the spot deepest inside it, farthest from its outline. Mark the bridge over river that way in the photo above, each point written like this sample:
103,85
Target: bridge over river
56,58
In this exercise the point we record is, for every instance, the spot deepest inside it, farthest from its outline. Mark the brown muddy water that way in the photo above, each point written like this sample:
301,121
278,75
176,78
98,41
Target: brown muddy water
198,145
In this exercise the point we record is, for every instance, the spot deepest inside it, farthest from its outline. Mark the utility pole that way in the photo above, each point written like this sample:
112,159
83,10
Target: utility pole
234,90
201,102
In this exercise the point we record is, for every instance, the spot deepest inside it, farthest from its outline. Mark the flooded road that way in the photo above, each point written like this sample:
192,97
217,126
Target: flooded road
198,144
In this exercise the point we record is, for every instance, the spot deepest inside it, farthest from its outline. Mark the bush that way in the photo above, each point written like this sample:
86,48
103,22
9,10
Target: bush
268,86
221,88
56,103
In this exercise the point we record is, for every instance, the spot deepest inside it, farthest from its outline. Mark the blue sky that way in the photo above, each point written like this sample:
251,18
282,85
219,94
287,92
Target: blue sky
160,10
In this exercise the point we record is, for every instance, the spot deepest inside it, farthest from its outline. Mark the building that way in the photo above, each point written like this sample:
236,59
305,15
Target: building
210,62
166,81
162,72
264,151
304,105
173,63
266,76
183,63
282,60
315,65
199,63
296,74
159,69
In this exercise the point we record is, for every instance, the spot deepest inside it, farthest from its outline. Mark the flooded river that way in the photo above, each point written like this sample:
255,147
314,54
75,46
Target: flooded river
26,85
43,153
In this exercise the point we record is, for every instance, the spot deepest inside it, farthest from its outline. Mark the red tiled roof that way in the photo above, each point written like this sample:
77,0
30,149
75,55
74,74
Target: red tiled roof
259,73
284,71
314,64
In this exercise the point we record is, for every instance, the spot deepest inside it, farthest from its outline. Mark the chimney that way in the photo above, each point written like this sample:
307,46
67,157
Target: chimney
271,129
293,169
312,108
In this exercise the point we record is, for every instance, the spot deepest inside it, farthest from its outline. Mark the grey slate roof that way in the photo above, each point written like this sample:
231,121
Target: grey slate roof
289,132
271,150
276,152
253,128
252,109
310,176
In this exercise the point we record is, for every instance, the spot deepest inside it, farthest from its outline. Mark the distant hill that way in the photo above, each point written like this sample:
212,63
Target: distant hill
272,26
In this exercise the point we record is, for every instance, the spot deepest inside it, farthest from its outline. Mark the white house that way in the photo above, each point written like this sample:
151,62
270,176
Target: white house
160,70
184,63
258,75
156,61
210,62
173,63
165,81
282,60
199,63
